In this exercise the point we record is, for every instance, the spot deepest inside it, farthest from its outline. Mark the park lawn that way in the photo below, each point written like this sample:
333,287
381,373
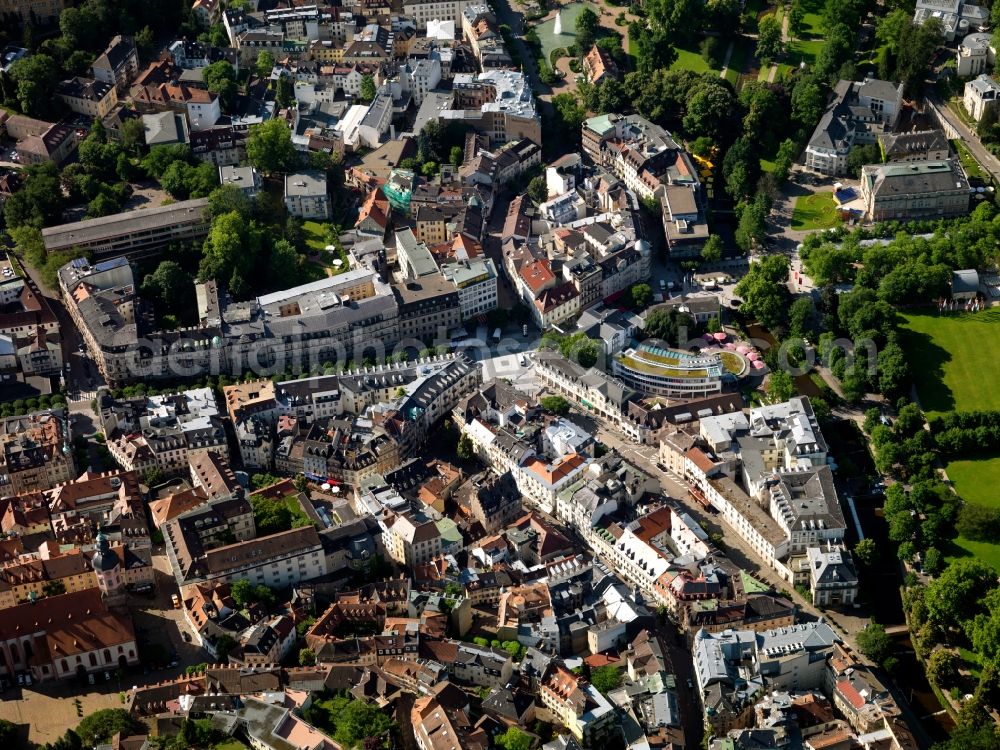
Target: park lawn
738,59
972,661
766,166
688,60
816,211
315,235
955,368
805,50
230,745
954,361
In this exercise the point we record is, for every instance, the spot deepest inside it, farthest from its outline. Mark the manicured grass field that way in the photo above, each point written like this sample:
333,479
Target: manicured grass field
315,235
737,60
955,360
816,211
316,240
688,60
956,367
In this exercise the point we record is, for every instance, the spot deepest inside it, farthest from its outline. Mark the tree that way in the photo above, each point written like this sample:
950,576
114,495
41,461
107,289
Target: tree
796,19
780,387
80,27
264,64
367,93
514,739
307,658
144,41
764,292
466,449
801,318
220,78
769,44
808,102
606,678
836,50
866,552
456,156
933,559
231,249
980,523
284,265
860,155
101,726
39,203
284,91
671,326
915,45
555,404
875,643
587,25
712,251
957,595
537,190
980,736
710,110
8,733
270,147
642,295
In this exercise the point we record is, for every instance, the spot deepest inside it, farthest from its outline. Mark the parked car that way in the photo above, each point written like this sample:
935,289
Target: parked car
186,636
176,601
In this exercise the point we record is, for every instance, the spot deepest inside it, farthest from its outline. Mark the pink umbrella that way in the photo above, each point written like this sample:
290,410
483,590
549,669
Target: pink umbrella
742,348
720,336
753,356
758,365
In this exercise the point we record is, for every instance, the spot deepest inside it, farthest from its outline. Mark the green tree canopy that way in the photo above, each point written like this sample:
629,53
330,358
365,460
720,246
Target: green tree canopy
101,726
514,739
264,64
270,148
606,678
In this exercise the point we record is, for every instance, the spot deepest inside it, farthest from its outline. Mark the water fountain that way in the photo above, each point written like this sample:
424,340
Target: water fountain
558,28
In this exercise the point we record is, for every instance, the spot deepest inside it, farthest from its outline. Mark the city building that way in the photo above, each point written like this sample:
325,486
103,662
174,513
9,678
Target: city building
975,54
66,636
162,432
914,190
118,65
915,145
306,195
88,96
956,16
833,580
578,705
981,94
245,179
857,114
135,234
668,372
37,452
643,155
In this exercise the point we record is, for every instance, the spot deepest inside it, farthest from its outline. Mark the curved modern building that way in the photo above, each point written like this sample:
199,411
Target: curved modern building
669,372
